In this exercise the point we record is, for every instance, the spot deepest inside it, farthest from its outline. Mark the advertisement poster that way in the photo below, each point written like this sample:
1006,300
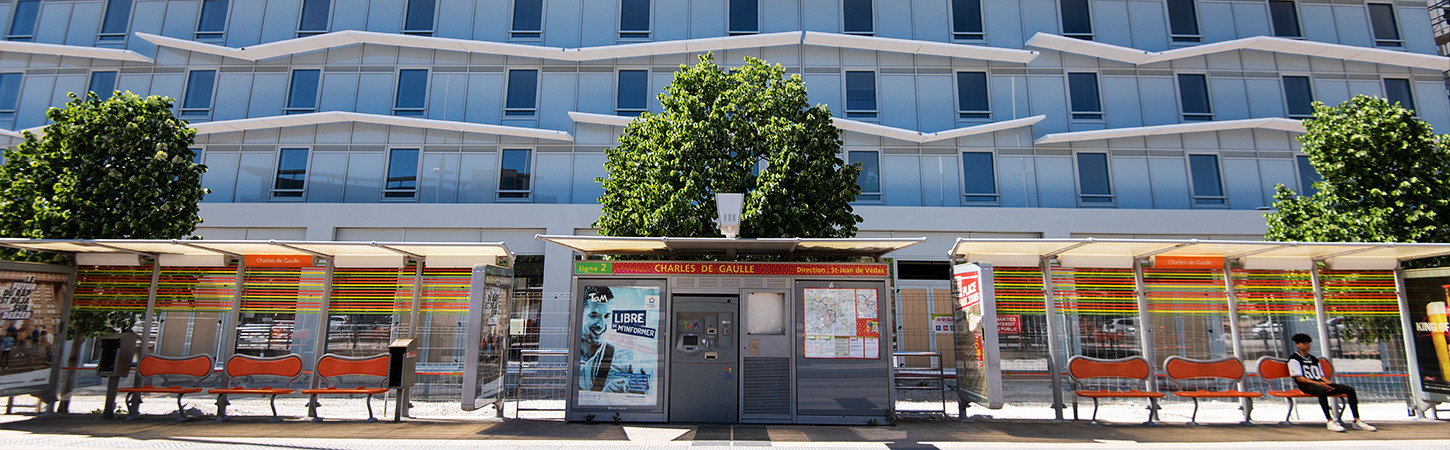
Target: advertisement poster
1427,298
488,322
942,323
29,320
979,374
841,323
619,335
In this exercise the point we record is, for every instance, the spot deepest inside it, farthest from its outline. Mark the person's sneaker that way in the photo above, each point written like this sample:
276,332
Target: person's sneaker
1334,426
1360,425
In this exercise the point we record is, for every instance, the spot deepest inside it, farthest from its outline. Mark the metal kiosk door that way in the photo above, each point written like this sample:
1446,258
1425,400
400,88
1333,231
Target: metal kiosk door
704,359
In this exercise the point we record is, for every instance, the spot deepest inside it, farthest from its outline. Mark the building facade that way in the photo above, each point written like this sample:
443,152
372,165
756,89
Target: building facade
487,120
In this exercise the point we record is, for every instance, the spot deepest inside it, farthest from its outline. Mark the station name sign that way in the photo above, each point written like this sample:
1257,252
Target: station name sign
279,260
729,268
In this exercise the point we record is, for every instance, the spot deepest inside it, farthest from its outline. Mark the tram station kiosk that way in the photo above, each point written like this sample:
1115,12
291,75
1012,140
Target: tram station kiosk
730,341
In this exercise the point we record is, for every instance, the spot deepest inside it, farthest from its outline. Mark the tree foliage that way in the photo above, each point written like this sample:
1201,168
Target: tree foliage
1384,180
748,129
121,168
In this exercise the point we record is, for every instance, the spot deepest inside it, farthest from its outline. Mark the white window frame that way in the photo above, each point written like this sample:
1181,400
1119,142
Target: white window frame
634,35
326,28
1399,30
527,35
1062,25
622,111
861,114
276,172
109,38
194,113
412,196
759,17
532,113
879,194
10,25
1072,115
527,194
403,21
959,36
9,111
1185,39
212,36
1409,83
397,80
996,184
1194,196
316,96
1112,194
1298,22
1285,89
1208,92
956,91
842,4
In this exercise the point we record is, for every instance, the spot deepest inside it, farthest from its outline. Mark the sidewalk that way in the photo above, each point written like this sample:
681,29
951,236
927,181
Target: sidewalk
442,426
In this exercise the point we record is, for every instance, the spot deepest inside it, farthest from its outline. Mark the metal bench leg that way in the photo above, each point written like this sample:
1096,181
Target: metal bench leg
275,419
312,409
1248,410
371,419
1290,413
1095,412
1194,420
221,408
133,405
180,410
1152,411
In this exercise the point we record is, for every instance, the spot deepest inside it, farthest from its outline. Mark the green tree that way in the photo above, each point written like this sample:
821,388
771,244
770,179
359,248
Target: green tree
121,168
1384,180
748,130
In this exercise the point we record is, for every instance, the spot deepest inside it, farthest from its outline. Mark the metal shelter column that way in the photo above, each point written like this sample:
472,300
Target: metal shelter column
1230,292
414,313
1411,359
320,348
1145,325
148,318
1319,314
56,373
229,329
1049,303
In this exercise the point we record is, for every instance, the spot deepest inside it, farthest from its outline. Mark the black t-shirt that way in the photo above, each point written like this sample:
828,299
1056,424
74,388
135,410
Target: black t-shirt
1306,366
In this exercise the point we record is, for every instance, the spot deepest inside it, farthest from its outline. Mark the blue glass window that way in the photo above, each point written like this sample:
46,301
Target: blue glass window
1397,90
1077,20
744,17
1382,19
1285,17
972,96
213,20
979,177
634,19
412,92
1082,89
860,94
22,24
633,95
1092,178
199,86
513,176
302,91
116,20
1183,20
402,179
1299,96
1193,90
1207,186
419,17
291,173
870,177
314,17
103,84
1307,176
528,19
858,18
523,88
967,20
10,93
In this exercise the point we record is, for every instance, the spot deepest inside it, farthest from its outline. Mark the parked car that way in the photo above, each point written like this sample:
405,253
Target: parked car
1122,325
1267,329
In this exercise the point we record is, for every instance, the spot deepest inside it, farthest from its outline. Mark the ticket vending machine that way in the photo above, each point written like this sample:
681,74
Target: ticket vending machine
704,359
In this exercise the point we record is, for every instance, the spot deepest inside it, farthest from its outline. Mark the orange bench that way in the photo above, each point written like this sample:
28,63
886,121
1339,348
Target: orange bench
165,367
332,369
1276,371
246,372
1218,375
1082,368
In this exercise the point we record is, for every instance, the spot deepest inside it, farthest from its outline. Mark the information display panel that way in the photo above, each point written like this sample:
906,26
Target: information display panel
979,370
617,355
30,325
841,323
488,327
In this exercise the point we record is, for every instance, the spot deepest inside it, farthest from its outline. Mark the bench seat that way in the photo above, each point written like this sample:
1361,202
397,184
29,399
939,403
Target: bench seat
344,391
253,391
1275,371
1218,394
1221,374
1135,369
160,390
241,369
155,368
332,369
1103,393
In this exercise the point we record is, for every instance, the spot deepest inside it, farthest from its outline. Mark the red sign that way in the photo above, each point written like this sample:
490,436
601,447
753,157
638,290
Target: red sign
969,288
1187,262
279,260
745,268
1009,323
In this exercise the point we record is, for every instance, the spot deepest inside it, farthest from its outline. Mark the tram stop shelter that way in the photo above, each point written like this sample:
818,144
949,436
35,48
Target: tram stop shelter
730,341
1201,299
273,297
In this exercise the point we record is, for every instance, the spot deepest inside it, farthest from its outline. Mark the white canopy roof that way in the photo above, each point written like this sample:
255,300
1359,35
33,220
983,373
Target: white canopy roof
356,37
1261,43
179,252
1119,253
37,48
856,126
1267,123
675,246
